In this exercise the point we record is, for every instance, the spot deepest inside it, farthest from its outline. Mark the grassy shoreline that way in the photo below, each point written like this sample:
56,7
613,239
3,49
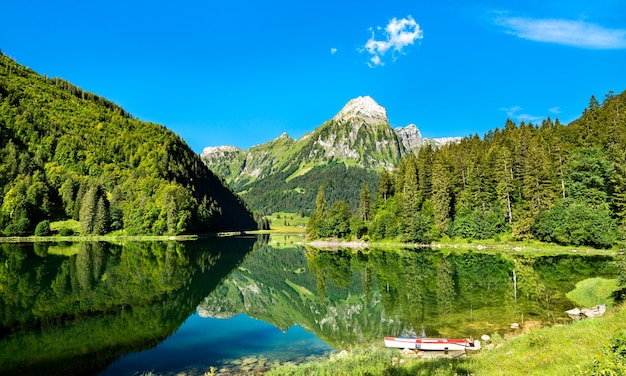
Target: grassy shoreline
572,349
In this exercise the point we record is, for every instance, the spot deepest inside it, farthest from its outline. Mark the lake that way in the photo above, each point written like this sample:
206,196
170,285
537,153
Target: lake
245,304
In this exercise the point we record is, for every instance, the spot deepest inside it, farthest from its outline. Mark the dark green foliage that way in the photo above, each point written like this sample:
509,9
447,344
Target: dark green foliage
611,361
316,228
43,228
66,232
477,224
576,223
67,153
588,177
274,193
339,220
365,203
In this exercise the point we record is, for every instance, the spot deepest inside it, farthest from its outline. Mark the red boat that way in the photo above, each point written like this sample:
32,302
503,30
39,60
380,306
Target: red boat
432,344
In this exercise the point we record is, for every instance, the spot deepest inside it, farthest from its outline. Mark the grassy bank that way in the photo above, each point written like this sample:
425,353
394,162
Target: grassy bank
490,245
572,349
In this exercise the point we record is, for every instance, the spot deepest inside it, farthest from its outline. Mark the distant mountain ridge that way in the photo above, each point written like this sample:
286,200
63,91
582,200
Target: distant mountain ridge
358,137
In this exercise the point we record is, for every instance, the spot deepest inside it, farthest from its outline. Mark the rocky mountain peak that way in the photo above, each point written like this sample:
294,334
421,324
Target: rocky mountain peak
364,108
410,136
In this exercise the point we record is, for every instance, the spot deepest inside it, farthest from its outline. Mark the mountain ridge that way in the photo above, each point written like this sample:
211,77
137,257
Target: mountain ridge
358,137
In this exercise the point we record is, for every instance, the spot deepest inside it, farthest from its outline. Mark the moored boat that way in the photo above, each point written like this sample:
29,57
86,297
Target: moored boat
432,344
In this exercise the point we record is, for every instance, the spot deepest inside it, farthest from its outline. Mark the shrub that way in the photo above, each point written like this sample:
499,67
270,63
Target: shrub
66,232
612,358
43,228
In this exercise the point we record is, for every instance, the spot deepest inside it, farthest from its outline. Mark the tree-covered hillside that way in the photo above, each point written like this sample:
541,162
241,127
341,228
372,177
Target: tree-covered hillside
278,193
66,153
563,184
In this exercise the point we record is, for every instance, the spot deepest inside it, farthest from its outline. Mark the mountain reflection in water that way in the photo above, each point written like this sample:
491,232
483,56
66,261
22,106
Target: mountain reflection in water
183,307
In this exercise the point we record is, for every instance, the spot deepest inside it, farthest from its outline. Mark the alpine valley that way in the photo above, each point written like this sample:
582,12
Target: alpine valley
343,153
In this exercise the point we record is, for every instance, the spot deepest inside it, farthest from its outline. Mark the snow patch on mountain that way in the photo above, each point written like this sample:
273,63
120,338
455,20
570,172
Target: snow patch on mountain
362,108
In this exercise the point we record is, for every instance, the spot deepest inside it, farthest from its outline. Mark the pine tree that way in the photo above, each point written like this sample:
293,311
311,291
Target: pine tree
365,203
588,173
412,224
102,218
316,227
536,179
441,194
88,208
385,186
618,179
425,170
505,182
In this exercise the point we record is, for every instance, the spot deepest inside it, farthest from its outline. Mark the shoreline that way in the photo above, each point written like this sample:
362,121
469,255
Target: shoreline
332,244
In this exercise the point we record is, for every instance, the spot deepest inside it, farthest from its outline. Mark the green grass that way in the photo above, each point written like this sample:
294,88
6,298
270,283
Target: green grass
593,291
284,223
70,224
558,350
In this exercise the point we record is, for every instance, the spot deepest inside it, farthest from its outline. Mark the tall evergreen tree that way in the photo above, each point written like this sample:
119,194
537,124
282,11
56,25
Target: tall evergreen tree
385,186
317,227
618,179
588,177
88,208
365,203
441,194
102,218
505,182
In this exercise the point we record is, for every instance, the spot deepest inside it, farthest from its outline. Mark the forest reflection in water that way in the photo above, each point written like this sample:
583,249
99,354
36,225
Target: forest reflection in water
78,308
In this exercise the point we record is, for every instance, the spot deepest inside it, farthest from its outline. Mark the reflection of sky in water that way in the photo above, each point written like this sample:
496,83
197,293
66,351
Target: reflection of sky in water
203,342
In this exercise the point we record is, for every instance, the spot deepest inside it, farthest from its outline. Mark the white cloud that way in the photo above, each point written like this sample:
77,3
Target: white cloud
512,113
398,34
555,110
333,51
571,33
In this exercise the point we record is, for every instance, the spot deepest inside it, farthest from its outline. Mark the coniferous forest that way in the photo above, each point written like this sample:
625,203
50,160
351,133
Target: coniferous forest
67,153
557,183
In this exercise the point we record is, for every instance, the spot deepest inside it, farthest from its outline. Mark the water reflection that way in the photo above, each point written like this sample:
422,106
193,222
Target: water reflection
78,308
350,298
76,315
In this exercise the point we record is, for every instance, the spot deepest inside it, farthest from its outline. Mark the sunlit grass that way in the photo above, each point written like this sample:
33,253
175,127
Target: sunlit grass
69,224
286,223
558,350
593,291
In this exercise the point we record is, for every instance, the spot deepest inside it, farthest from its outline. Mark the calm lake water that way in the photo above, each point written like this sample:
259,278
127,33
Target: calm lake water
245,304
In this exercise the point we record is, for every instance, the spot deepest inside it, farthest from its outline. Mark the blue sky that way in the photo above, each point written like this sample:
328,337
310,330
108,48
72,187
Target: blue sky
243,72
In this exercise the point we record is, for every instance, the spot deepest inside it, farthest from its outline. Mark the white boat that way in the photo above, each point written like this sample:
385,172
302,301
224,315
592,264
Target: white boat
432,344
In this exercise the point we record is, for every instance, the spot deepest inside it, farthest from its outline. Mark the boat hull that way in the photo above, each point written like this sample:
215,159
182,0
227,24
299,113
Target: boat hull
431,344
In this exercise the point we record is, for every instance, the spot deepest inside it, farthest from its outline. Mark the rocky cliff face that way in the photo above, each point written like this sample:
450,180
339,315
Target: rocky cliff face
410,136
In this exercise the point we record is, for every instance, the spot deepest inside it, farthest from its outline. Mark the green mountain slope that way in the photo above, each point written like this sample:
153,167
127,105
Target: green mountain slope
341,154
66,153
